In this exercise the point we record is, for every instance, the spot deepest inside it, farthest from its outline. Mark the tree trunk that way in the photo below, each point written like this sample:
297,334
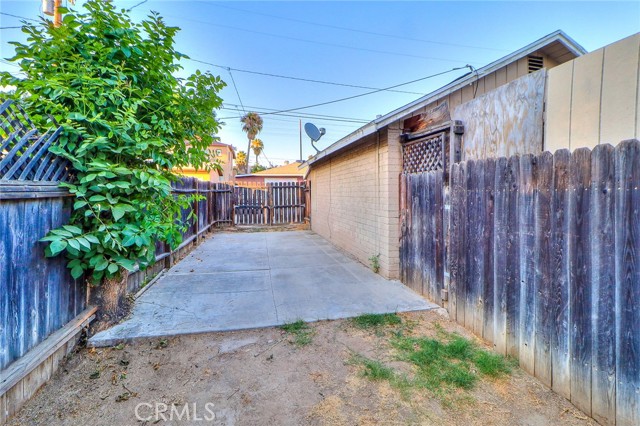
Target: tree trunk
110,296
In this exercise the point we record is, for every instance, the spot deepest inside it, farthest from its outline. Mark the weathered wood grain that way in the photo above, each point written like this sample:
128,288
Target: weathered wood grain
513,259
560,306
579,279
627,259
542,278
602,281
500,226
527,258
488,248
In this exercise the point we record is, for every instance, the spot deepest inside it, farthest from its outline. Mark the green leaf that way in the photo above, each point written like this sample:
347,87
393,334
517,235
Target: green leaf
118,212
77,271
74,244
112,268
92,239
102,264
73,229
57,246
97,198
79,204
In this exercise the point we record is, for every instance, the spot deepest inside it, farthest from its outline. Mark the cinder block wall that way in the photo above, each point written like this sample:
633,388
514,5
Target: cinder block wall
355,200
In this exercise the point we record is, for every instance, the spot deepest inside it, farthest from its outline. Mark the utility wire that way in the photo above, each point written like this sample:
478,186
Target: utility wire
8,28
297,78
236,87
358,96
386,52
19,17
400,37
310,114
136,5
301,116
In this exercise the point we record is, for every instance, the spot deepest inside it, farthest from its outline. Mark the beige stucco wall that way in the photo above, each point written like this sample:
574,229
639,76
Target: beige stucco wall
595,98
355,200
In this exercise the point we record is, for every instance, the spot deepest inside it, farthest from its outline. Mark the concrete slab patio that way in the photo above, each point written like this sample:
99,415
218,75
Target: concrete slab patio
237,281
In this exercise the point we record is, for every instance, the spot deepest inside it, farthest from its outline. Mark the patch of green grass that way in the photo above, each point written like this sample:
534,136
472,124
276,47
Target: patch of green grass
373,369
301,332
443,365
376,320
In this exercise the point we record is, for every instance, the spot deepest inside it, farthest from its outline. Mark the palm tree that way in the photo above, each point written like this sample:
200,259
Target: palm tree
257,146
251,125
241,161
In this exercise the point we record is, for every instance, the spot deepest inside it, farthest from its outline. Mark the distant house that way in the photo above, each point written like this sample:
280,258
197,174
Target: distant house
291,172
225,155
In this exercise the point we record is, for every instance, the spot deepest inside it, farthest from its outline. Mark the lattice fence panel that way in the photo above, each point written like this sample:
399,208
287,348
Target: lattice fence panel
425,155
24,154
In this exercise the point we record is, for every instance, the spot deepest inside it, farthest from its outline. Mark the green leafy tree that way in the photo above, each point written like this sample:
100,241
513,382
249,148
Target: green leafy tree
257,168
111,83
251,125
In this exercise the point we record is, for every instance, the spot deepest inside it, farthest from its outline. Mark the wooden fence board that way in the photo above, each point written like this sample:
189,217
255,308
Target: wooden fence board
560,357
602,210
627,258
470,301
579,281
526,224
487,247
513,259
542,253
501,217
454,240
462,246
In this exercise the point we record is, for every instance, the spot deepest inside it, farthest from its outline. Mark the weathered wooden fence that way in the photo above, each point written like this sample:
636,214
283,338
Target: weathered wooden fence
422,246
545,263
37,295
279,203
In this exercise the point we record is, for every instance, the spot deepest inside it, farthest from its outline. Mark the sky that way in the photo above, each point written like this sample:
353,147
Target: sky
373,45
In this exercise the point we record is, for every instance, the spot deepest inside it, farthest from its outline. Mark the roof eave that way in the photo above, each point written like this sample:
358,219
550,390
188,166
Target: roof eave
404,110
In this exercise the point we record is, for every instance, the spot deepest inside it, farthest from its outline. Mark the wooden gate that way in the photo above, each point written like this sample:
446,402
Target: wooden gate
426,156
279,203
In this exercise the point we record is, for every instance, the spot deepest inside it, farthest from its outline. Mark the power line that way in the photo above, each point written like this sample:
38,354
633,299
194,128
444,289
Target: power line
19,17
236,87
8,28
337,27
364,120
386,52
261,113
358,96
298,78
136,5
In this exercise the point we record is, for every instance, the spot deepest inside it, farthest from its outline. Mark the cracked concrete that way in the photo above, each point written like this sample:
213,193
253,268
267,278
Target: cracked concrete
237,281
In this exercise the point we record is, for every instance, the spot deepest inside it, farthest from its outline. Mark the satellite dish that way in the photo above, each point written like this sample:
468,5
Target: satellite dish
314,133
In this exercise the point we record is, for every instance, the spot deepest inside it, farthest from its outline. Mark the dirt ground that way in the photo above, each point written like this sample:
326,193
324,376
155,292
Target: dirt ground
262,377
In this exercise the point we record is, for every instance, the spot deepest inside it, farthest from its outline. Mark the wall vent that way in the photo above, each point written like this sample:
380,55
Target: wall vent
535,63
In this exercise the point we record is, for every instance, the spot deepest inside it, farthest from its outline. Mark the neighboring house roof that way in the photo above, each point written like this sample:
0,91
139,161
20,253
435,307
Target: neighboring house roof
288,170
557,44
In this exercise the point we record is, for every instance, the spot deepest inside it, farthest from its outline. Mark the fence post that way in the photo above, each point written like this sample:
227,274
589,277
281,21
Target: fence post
270,204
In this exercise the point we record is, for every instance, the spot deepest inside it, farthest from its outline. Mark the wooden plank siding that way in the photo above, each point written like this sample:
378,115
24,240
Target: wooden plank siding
554,239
